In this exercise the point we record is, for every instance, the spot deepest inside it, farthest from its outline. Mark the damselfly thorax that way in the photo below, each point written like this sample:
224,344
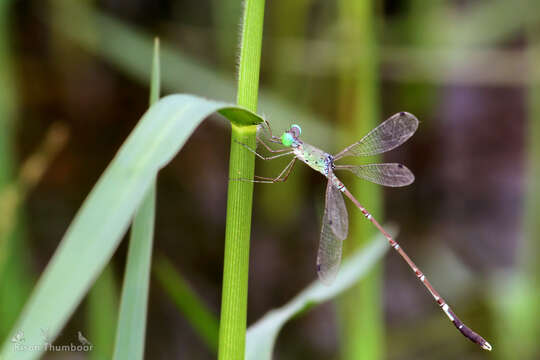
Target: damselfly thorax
318,160
313,157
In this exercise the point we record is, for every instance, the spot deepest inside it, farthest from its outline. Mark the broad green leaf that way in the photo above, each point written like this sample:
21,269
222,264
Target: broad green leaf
131,330
261,336
104,217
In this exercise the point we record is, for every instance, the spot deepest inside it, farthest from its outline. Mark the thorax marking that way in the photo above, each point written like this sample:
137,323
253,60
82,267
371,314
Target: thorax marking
313,157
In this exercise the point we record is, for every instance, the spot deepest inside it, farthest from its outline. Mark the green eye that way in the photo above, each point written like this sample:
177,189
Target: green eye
287,139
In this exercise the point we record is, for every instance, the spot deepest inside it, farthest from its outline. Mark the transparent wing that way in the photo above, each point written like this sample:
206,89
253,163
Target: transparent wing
389,174
335,226
385,137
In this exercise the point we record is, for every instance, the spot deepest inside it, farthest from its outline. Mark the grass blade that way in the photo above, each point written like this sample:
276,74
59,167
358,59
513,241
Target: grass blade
104,217
262,335
131,330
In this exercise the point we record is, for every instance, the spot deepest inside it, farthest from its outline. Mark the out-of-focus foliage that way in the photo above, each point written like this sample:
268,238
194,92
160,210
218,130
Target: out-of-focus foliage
465,68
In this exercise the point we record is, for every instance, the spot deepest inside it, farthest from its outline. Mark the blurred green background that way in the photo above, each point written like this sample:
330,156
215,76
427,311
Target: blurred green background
74,81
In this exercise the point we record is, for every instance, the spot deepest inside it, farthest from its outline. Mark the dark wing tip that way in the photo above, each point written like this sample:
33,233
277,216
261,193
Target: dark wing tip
406,176
413,120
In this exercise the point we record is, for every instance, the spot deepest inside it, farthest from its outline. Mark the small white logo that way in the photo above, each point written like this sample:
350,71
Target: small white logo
18,338
83,340
46,337
19,343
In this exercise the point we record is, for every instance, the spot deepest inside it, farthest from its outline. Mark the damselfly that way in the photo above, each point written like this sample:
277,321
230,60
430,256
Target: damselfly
385,137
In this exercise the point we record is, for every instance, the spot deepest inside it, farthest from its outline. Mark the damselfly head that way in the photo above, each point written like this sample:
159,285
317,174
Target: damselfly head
290,136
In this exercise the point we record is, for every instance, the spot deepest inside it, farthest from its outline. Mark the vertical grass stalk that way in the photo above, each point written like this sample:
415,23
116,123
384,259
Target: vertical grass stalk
360,308
130,335
232,331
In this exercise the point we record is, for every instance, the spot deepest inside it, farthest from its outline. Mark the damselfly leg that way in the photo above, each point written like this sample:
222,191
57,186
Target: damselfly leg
283,175
284,152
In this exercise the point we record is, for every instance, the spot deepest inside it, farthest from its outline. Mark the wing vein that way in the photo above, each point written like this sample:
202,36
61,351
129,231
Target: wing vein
387,174
385,137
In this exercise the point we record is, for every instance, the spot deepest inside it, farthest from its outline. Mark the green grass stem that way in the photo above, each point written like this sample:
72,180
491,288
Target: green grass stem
250,54
232,331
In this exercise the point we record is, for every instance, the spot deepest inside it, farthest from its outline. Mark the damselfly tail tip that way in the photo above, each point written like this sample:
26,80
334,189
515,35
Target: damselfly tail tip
486,346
